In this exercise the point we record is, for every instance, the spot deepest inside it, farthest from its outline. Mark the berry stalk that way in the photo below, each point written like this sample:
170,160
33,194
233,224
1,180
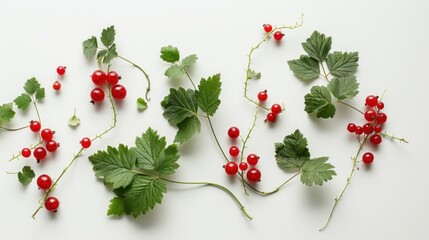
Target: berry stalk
14,129
144,73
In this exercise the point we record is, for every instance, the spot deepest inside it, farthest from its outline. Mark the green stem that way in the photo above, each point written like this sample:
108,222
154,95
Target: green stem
14,129
144,73
350,106
187,74
393,137
262,193
325,75
37,109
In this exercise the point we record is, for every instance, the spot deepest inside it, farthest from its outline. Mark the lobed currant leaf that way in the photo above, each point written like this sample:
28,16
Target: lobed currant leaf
40,94
189,60
170,54
22,101
305,68
141,104
175,71
342,64
26,175
111,54
344,87
31,86
116,207
316,171
187,129
293,152
90,47
108,36
181,105
318,46
208,94
319,102
6,113
251,74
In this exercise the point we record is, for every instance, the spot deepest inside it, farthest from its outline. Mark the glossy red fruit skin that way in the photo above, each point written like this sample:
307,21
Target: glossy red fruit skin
98,77
367,158
243,166
35,126
359,130
85,142
233,132
56,86
351,127
252,159
367,128
39,153
61,70
253,175
271,117
97,95
44,182
381,118
231,168
26,152
371,101
278,35
376,139
234,151
262,96
276,108
268,28
47,134
51,146
119,92
52,204
112,78
370,115
378,128
380,105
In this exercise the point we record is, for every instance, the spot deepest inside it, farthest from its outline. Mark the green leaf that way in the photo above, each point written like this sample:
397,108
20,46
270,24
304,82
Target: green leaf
74,121
169,165
318,46
115,165
175,71
40,94
319,102
293,152
316,171
253,75
344,87
141,104
116,207
187,129
181,105
102,53
26,175
111,54
143,194
164,102
108,36
189,60
170,54
22,101
90,47
208,94
6,113
31,86
305,68
342,64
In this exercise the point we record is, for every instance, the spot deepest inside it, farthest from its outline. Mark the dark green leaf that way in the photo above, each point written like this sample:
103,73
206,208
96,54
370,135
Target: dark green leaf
22,101
90,47
108,36
170,54
26,175
181,105
318,46
253,75
31,86
319,102
316,171
187,129
293,152
305,68
208,94
164,102
169,165
344,87
111,54
116,207
6,113
40,94
102,53
141,104
175,71
189,60
342,64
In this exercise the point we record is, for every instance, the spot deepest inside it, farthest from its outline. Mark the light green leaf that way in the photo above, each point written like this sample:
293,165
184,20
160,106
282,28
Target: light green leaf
90,47
74,121
305,68
116,207
175,71
6,113
181,105
141,104
316,171
187,129
40,94
293,152
318,46
208,94
344,87
26,175
31,86
111,54
170,54
22,101
342,64
253,75
319,102
108,36
189,60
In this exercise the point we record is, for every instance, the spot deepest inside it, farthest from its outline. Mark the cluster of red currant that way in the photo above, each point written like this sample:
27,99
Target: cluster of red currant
100,78
46,135
372,129
61,70
276,109
278,35
231,168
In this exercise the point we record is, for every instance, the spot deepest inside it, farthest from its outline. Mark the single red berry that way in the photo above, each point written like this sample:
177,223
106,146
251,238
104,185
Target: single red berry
351,127
61,70
378,128
98,77
85,142
56,86
231,168
268,28
376,139
119,92
233,132
276,108
112,78
359,130
44,182
380,105
278,35
52,204
39,153
381,118
271,117
234,151
26,152
47,134
35,126
243,166
254,175
368,158
371,101
367,128
252,159
370,115
97,95
263,96
51,146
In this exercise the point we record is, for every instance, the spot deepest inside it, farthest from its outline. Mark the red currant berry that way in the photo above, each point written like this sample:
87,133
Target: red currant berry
98,77
268,28
271,117
351,127
233,132
380,105
44,182
381,118
39,153
359,130
52,204
378,128
368,158
56,86
254,175
252,159
51,146
367,128
278,35
47,134
35,126
371,101
119,92
263,96
243,166
97,95
85,142
234,151
276,108
370,115
26,152
376,139
112,78
231,168
61,70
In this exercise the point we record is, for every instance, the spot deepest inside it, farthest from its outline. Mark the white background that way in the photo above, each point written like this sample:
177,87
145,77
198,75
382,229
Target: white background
387,201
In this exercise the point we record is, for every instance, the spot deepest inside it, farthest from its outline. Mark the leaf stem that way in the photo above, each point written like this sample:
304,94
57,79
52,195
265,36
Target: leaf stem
13,129
392,137
262,193
144,73
37,109
187,74
350,106
325,75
